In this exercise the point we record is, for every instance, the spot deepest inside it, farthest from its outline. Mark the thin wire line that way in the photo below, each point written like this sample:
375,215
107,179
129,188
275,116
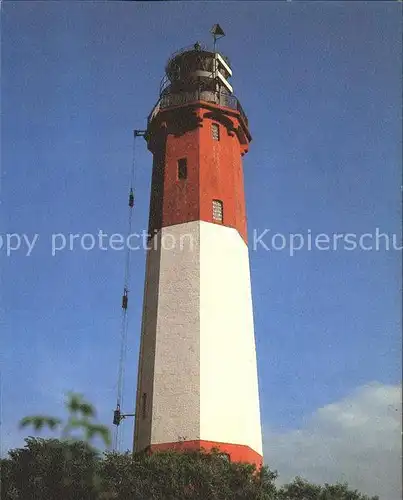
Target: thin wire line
117,439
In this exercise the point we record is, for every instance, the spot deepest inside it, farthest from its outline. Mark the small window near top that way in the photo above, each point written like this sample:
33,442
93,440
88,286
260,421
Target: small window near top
182,169
144,405
217,211
215,131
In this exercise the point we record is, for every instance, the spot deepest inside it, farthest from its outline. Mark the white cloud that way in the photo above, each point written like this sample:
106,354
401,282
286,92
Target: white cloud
355,440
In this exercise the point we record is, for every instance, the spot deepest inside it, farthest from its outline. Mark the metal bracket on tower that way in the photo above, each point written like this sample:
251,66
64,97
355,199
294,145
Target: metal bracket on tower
118,416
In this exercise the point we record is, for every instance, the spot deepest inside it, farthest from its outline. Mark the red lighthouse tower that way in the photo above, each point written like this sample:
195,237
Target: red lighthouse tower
197,379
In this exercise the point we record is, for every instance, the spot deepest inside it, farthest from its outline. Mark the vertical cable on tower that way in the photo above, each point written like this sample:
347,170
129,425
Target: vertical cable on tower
118,415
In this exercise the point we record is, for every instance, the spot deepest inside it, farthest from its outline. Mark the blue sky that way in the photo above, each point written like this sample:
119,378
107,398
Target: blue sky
320,83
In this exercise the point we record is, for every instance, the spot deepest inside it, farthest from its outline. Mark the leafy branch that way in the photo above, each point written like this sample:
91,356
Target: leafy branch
81,414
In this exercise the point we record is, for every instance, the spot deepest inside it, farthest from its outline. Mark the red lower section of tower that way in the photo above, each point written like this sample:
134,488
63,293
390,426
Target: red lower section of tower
236,452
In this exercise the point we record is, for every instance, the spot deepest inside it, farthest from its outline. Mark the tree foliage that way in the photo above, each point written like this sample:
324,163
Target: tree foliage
72,469
301,489
186,475
50,468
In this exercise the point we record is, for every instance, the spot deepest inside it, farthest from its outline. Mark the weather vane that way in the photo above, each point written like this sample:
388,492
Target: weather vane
217,33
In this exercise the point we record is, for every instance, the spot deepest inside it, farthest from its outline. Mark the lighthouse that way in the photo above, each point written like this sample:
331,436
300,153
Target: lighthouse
197,384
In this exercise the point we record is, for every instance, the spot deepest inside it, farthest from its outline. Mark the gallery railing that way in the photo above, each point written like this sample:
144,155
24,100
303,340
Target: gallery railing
176,99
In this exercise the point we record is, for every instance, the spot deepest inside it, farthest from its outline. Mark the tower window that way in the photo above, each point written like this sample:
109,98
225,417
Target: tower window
217,211
144,405
182,169
215,131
